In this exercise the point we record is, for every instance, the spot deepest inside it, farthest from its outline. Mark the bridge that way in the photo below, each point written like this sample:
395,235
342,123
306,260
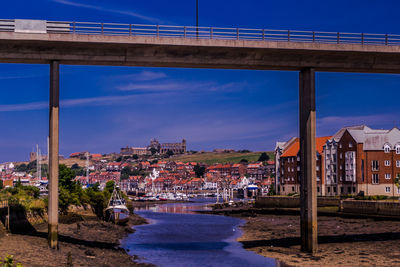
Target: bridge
86,43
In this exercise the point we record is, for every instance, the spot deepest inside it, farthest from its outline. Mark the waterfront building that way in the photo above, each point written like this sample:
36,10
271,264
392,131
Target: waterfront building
369,161
289,166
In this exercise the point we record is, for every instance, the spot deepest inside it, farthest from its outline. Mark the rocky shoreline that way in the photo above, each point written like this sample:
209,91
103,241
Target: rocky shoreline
84,240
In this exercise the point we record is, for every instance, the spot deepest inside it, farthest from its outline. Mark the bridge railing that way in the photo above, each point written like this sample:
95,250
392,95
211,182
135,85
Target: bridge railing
170,31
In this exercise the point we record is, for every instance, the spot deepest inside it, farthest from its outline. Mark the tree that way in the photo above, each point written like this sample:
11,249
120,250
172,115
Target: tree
66,177
243,161
199,170
125,173
169,153
75,166
21,168
263,157
109,186
153,150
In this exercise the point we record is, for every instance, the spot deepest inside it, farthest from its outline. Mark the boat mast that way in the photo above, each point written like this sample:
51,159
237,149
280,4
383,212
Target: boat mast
87,168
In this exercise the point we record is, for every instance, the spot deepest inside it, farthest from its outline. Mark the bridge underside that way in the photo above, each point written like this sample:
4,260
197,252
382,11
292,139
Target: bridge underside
193,53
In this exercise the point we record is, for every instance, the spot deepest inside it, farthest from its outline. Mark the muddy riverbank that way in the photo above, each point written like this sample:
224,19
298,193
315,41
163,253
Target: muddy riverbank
83,241
342,241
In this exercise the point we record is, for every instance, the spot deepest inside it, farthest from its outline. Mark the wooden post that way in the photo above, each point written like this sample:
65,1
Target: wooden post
53,155
308,182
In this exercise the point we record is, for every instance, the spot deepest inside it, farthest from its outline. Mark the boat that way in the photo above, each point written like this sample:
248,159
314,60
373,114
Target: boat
116,211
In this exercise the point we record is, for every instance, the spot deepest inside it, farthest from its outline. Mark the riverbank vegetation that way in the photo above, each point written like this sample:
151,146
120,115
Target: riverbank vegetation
71,194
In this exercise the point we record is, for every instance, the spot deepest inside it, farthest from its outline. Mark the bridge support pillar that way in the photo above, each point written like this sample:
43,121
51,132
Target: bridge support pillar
308,182
53,155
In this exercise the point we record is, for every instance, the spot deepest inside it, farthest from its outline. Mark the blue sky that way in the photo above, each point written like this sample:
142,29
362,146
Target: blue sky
105,108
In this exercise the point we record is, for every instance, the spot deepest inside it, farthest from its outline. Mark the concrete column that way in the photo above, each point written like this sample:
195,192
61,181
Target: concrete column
53,155
308,181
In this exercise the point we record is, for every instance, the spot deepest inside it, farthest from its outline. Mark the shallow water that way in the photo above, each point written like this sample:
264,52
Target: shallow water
178,237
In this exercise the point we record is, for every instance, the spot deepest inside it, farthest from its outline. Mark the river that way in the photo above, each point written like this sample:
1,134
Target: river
176,236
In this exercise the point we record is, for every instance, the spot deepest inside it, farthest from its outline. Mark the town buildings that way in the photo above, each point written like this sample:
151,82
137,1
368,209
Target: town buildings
355,160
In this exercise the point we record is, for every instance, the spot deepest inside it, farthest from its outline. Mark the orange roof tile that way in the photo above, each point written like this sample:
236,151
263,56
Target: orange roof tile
292,150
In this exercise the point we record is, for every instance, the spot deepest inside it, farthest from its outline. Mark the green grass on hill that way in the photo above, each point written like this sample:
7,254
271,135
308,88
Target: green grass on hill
212,158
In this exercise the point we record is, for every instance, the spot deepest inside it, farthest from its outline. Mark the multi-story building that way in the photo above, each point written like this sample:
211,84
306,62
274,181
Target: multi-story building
368,161
331,158
356,160
289,167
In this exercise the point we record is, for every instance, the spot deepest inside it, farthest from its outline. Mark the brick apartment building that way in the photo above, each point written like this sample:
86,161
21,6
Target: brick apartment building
356,160
288,169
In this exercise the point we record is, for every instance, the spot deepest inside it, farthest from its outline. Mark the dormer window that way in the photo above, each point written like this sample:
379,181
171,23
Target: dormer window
386,148
398,149
350,144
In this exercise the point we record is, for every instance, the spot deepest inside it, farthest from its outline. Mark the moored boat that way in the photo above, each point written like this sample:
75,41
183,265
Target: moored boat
116,211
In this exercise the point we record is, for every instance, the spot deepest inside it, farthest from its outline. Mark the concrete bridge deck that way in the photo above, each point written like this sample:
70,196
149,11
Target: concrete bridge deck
74,49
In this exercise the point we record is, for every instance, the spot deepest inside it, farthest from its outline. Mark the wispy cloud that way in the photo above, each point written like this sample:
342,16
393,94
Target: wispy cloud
24,107
101,100
142,76
13,77
111,10
329,125
180,86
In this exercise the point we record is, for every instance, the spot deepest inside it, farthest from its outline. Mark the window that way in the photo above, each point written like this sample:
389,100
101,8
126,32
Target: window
398,190
375,178
340,145
292,188
340,156
334,189
334,179
387,175
288,169
329,189
375,165
318,189
386,148
387,162
350,144
387,189
398,149
398,163
341,190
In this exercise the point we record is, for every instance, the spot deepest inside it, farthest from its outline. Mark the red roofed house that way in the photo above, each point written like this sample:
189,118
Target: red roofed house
289,167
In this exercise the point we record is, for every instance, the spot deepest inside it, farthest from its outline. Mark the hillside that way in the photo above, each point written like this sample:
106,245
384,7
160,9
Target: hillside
211,157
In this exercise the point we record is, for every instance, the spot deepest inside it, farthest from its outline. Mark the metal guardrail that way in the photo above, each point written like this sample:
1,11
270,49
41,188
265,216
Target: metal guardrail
193,32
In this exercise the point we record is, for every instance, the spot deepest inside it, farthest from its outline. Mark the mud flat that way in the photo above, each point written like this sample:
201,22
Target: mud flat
343,241
83,241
